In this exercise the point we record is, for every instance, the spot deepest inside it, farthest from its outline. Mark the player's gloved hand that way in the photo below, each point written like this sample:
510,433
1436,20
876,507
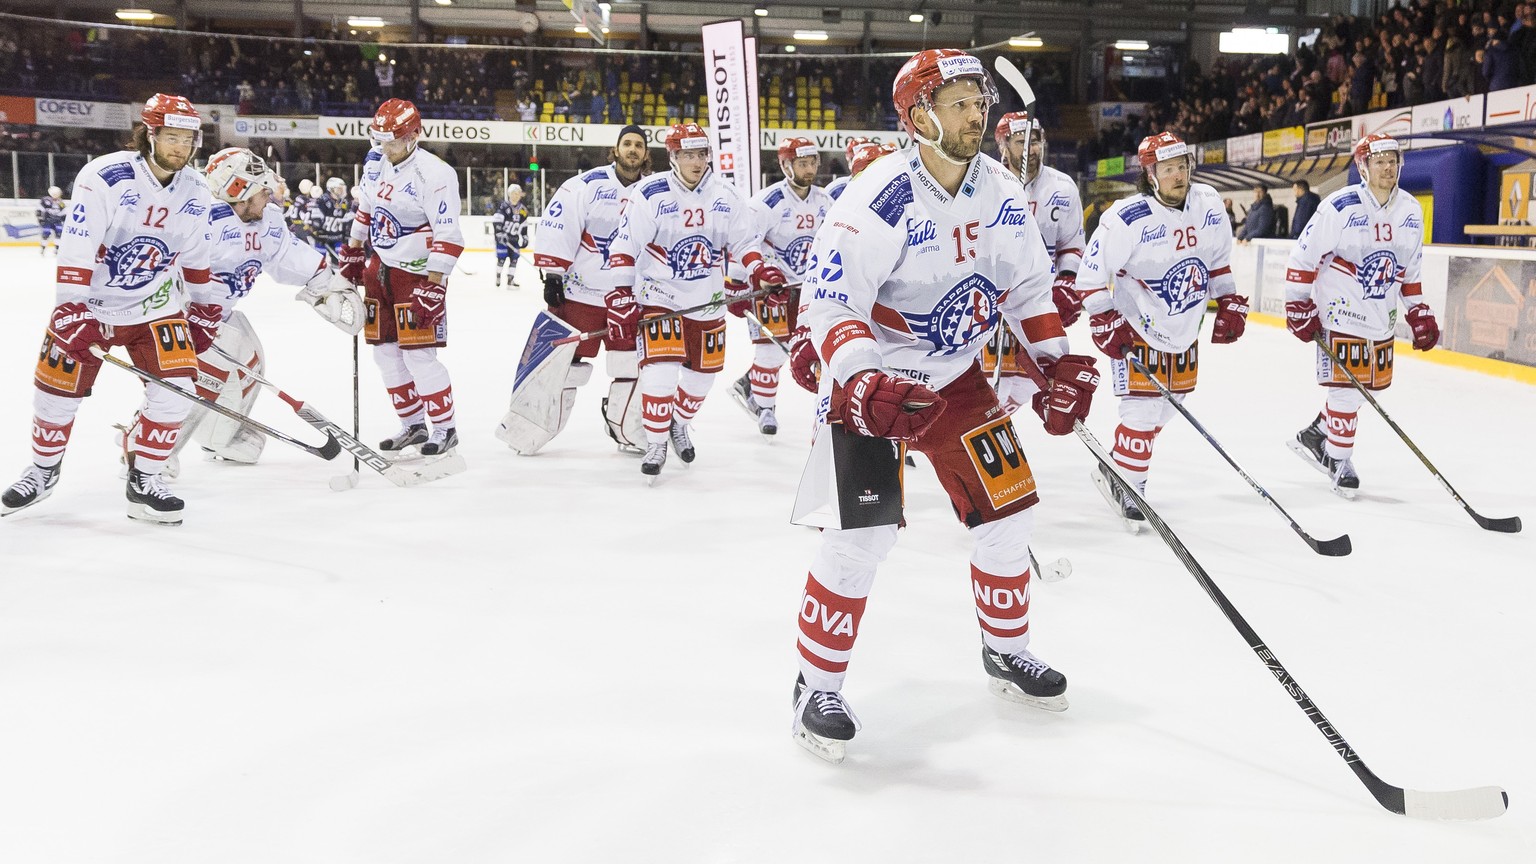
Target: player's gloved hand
1301,318
737,298
1111,333
886,406
1068,392
1231,318
427,303
623,318
804,362
1426,332
204,319
353,261
554,290
1069,306
768,276
333,298
75,330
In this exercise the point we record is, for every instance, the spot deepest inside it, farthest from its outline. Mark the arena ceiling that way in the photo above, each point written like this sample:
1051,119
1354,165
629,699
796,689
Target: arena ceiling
1061,24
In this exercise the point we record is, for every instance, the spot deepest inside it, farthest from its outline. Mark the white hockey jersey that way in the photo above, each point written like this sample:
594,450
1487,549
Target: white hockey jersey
907,278
1158,265
836,187
788,224
242,251
1058,210
673,242
410,212
1356,258
577,230
127,239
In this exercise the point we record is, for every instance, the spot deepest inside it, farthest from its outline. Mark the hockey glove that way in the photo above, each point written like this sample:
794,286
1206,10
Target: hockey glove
886,406
1231,318
334,299
804,363
1301,318
75,330
204,319
1069,306
623,318
427,303
768,276
736,295
554,290
1426,332
1068,393
353,261
1111,333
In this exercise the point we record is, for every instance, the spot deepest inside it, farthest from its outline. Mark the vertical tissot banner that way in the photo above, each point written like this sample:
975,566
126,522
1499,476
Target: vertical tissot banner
730,126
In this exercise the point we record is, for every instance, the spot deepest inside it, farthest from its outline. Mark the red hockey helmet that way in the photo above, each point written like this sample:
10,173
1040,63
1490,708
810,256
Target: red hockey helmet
1013,123
686,136
929,70
791,149
867,154
396,118
1162,147
173,111
1372,144
853,145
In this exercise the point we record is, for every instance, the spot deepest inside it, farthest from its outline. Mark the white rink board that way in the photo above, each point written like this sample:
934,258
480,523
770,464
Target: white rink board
542,659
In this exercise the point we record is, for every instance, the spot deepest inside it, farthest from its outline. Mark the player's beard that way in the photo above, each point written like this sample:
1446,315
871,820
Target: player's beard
956,147
166,165
632,163
1031,166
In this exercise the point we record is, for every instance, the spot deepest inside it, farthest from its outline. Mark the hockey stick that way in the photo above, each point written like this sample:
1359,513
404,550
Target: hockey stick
396,474
593,334
343,482
1020,85
1060,569
329,450
763,329
1484,802
1505,525
1336,547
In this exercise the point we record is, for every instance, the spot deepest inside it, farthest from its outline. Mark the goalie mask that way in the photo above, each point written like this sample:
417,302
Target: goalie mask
236,174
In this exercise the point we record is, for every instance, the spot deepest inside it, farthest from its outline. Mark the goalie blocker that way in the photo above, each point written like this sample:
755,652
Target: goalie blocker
548,375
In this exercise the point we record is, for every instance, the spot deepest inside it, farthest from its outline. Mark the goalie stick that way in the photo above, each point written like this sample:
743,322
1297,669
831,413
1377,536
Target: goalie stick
1336,547
329,450
1505,525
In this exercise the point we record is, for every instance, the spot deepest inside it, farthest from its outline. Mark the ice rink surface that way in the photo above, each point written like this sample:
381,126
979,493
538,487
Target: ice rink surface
544,660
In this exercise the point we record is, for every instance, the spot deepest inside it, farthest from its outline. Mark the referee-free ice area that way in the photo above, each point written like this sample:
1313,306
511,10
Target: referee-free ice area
541,659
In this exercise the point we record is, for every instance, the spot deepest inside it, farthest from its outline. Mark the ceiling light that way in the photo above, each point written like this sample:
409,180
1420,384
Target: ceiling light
1025,42
445,2
1252,40
811,35
135,15
915,17
582,28
789,49
365,22
760,12
1132,45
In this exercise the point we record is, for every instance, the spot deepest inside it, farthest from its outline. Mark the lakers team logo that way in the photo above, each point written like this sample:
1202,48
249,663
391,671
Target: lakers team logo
798,253
384,232
600,245
965,316
1377,273
1183,287
135,263
691,258
241,279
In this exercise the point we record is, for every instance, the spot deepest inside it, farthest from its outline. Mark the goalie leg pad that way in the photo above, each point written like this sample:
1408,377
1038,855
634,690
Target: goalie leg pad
226,438
545,387
622,415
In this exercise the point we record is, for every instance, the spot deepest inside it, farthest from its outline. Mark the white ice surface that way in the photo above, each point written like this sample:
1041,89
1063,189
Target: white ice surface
544,660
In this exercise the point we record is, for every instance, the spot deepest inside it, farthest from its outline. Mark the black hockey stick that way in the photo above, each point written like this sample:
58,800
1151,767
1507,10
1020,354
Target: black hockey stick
329,450
593,334
1506,525
763,328
1484,802
1336,547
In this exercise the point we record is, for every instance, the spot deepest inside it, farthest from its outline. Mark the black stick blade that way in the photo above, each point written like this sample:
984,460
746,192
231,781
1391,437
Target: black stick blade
1338,547
330,449
1507,525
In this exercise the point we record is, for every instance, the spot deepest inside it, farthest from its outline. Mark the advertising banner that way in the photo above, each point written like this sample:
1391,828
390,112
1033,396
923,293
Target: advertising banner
1397,123
84,115
1511,106
18,109
1490,309
1245,149
1330,136
1283,142
725,82
1464,113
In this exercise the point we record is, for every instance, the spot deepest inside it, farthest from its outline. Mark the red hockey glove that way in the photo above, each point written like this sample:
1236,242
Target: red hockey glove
623,318
736,295
1068,394
353,260
75,330
768,276
1425,331
427,303
886,406
804,363
1069,306
1231,318
1301,318
1111,333
204,319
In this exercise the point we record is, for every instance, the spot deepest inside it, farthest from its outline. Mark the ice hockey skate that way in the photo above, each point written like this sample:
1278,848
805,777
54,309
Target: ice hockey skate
443,440
681,442
36,483
405,444
150,500
1308,444
1113,490
650,464
1345,481
767,421
1025,679
823,722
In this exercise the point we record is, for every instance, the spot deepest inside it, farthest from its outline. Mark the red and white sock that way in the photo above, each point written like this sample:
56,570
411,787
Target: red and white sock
407,403
1340,427
1002,607
152,444
829,624
686,406
765,384
1133,451
656,416
440,407
49,441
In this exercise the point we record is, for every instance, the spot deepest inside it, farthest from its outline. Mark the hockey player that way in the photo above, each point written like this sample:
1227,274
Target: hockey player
788,214
508,225
1357,259
671,247
1058,210
329,216
1155,259
50,218
299,211
250,237
408,212
909,278
139,221
582,288
835,188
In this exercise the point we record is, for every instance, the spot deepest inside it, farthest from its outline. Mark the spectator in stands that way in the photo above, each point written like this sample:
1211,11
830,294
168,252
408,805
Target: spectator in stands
1231,216
1306,205
526,110
1500,66
1261,216
1522,41
1457,80
1432,68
